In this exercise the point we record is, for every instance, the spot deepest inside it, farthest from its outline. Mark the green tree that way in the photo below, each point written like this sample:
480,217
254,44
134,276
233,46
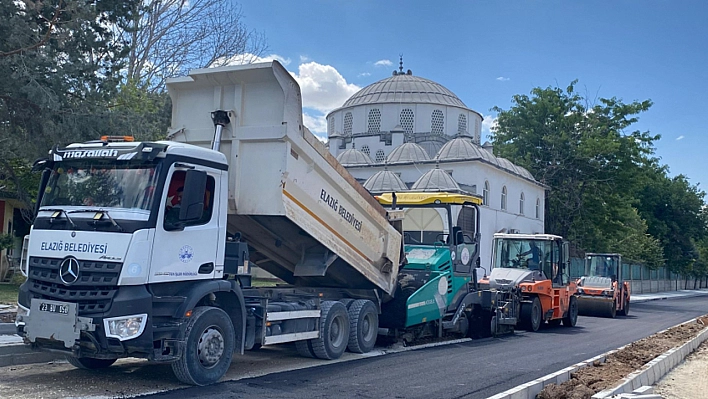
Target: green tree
592,165
60,62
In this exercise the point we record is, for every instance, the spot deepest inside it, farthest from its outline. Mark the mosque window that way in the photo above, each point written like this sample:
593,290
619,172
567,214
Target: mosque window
348,124
462,124
437,123
374,125
485,193
365,149
407,120
380,156
538,208
330,126
503,199
521,203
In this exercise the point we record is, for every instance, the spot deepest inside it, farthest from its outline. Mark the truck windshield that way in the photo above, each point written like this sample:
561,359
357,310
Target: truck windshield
425,226
602,266
101,184
522,254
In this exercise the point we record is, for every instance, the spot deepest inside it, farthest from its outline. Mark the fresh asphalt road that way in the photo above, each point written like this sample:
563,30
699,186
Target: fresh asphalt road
476,369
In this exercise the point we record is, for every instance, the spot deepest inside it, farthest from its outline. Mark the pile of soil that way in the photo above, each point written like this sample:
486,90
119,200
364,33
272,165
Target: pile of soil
599,376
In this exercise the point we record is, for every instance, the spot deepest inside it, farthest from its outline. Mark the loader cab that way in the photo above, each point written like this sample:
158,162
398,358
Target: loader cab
604,265
544,255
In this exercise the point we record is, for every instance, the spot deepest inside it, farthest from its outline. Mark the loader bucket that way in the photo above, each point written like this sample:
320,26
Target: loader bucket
596,306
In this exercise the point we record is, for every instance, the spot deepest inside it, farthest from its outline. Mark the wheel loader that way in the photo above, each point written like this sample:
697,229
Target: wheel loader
602,291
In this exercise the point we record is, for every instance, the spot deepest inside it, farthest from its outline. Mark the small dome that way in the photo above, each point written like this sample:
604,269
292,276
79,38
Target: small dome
408,152
436,180
353,157
459,148
384,181
508,165
525,173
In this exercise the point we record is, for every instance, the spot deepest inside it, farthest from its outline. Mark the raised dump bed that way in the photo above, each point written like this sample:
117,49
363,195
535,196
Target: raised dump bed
306,218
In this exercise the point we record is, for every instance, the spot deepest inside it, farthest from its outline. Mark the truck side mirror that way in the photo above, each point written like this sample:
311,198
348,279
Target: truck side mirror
192,207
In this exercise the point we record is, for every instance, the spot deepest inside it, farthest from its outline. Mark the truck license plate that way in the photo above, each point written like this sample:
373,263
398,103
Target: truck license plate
53,308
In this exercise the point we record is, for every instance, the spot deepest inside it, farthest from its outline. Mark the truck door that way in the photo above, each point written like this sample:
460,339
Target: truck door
186,252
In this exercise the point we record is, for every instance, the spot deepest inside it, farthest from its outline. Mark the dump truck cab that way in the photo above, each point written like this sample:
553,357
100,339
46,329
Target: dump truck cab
536,266
441,245
602,289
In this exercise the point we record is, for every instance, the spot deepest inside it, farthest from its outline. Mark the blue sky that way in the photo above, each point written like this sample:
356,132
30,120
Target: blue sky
487,51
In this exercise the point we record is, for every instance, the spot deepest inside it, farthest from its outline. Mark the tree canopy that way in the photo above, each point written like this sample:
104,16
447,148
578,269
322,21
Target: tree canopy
606,188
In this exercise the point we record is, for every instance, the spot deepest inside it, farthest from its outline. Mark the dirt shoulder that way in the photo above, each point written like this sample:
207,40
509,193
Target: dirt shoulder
599,376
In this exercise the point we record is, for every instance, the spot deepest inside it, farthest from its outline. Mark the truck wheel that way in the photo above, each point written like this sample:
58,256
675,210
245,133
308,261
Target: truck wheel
334,331
531,315
480,324
304,348
210,345
364,320
571,319
612,310
88,363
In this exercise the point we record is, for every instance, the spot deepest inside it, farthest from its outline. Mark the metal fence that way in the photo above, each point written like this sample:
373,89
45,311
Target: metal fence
644,280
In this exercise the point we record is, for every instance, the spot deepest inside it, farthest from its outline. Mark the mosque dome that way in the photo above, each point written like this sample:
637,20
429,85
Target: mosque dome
353,157
404,88
436,180
459,149
385,181
408,152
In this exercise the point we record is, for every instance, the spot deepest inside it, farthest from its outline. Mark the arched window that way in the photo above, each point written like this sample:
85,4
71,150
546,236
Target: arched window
462,124
485,193
330,126
538,208
348,124
521,203
437,122
365,149
380,156
503,199
374,125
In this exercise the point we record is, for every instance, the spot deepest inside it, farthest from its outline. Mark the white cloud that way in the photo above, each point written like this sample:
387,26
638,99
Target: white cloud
248,58
304,58
489,123
383,63
316,123
503,79
363,74
679,138
323,87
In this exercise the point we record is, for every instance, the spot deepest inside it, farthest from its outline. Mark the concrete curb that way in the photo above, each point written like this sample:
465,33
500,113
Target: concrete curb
660,298
7,329
655,369
12,355
530,389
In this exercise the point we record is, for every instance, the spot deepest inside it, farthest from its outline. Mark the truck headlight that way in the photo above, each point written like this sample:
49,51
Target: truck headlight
125,327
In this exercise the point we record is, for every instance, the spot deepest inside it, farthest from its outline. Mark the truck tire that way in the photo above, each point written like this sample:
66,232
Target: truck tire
364,326
531,315
571,318
612,310
334,331
210,345
304,348
89,363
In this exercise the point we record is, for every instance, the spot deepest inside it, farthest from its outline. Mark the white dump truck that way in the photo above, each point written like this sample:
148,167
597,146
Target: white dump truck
143,249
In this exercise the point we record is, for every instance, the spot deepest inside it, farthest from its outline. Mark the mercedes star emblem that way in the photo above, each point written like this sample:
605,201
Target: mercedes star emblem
69,271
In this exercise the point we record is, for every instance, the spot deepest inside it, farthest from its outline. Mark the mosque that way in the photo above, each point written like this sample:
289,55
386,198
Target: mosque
409,133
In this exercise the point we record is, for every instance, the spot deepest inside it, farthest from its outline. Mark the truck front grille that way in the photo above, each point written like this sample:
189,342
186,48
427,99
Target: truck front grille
93,291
